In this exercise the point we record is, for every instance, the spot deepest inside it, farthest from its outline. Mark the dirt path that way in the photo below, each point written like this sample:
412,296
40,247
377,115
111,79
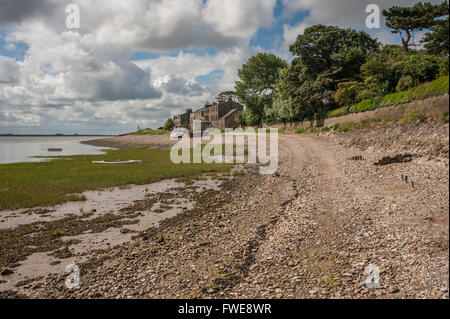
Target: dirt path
350,214
309,231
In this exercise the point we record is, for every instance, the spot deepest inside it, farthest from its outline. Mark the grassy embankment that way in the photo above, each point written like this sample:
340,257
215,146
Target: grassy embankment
63,178
426,90
149,131
434,88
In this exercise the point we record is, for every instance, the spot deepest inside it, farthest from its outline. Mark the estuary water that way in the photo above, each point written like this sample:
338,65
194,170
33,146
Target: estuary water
16,149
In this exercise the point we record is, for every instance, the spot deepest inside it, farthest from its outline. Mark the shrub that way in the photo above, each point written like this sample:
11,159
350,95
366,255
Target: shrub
335,126
419,66
445,117
301,130
345,127
430,89
347,92
405,83
415,115
426,90
443,67
339,112
397,98
363,106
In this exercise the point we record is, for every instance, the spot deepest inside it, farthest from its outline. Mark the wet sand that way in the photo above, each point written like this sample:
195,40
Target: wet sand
117,201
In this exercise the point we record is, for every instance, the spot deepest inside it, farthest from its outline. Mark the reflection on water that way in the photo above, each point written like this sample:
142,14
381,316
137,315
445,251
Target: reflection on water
15,149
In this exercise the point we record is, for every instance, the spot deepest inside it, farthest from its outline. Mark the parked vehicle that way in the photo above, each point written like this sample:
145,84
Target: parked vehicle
179,133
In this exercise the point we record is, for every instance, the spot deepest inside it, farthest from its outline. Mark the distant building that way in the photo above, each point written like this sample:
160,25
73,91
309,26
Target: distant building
221,114
183,119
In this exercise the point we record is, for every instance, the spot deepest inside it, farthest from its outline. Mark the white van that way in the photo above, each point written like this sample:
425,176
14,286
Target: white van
178,133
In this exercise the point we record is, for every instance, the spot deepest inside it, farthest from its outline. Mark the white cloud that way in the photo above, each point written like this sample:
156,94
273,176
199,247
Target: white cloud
235,18
84,79
9,70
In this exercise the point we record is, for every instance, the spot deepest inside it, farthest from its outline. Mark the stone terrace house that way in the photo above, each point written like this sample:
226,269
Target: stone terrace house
183,119
221,114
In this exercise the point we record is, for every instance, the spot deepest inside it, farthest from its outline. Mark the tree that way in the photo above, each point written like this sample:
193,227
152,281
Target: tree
348,93
380,71
343,51
383,71
256,84
226,94
415,18
436,41
327,55
169,125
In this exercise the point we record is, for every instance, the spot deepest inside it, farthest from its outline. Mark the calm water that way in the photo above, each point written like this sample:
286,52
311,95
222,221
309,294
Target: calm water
15,149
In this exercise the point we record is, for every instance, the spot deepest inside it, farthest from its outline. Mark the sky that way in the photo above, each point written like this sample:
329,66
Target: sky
138,62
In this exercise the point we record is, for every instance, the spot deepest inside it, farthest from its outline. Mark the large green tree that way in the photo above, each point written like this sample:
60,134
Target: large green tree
326,56
405,20
256,85
342,51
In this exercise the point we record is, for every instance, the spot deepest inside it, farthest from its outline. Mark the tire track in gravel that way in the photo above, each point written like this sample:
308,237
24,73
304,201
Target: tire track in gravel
299,156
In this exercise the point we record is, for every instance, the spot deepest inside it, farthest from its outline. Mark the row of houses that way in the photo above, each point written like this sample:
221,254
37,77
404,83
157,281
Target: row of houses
220,114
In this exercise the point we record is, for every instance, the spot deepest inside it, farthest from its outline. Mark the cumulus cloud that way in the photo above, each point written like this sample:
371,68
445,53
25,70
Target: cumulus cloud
155,25
9,70
15,11
83,78
180,86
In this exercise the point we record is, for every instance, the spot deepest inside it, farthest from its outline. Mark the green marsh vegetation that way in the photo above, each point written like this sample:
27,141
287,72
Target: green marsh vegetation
64,177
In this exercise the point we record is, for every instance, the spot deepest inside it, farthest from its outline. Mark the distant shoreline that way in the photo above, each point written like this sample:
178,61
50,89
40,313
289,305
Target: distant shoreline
56,135
159,142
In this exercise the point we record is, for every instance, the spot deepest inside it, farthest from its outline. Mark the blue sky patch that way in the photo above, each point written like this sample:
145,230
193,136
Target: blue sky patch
210,78
270,38
145,55
17,50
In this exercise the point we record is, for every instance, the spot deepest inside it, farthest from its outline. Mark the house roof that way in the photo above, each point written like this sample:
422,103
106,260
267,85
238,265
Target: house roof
229,113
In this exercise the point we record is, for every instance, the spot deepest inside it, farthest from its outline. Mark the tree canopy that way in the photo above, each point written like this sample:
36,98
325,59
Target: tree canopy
418,17
169,125
226,94
336,68
326,56
436,41
256,84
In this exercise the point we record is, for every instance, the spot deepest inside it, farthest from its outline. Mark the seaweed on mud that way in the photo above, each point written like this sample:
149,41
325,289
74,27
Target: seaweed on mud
399,158
18,243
